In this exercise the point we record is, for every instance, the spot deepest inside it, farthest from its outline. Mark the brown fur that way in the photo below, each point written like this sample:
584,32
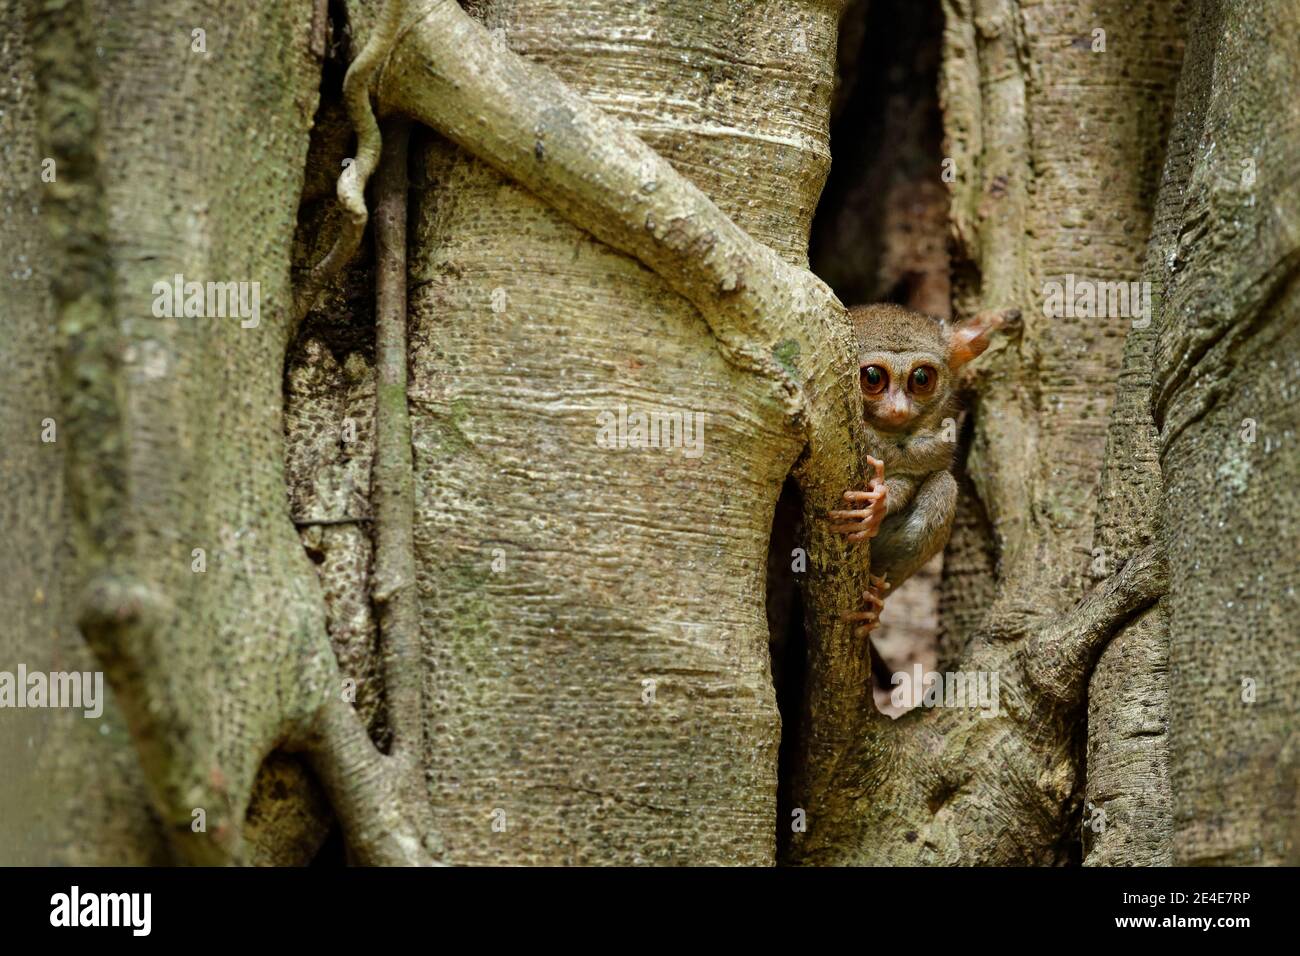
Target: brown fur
907,431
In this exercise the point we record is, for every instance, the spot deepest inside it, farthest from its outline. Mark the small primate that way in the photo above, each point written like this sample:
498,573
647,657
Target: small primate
908,364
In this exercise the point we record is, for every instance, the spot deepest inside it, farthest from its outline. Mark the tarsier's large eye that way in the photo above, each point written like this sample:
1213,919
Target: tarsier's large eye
923,380
874,379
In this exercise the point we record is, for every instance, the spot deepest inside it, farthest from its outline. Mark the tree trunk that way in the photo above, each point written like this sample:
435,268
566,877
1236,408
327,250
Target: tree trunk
1225,402
600,707
1065,131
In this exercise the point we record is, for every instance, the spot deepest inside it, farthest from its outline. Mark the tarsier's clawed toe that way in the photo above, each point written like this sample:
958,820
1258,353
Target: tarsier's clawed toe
873,601
867,621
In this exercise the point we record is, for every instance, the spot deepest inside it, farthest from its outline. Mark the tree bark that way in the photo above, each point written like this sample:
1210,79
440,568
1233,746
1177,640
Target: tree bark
1225,402
583,698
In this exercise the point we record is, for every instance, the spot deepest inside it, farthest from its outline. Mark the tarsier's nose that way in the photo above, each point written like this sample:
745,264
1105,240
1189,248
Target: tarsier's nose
896,411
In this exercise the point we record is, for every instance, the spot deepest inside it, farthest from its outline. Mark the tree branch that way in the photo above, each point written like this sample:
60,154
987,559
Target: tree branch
1059,658
521,119
385,824
393,474
381,799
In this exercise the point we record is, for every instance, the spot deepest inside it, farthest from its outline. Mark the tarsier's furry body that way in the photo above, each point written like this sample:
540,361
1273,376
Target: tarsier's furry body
908,364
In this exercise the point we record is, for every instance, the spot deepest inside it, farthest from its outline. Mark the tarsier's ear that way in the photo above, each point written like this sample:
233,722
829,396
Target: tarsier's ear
970,338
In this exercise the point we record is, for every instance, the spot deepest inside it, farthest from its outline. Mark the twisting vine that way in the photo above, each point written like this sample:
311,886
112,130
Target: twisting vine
380,798
352,181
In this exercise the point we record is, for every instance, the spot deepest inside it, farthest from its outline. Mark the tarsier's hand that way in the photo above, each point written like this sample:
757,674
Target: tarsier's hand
873,599
863,522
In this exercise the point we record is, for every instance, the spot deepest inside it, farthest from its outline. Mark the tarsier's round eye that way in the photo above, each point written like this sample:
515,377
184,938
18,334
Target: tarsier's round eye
874,379
923,379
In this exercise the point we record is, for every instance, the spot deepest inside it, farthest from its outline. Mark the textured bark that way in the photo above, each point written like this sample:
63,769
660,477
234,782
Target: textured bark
1057,152
1128,810
538,709
1054,175
211,669
1128,717
71,790
1225,361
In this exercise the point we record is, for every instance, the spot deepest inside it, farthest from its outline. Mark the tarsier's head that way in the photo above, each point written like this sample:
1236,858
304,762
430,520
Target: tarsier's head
908,362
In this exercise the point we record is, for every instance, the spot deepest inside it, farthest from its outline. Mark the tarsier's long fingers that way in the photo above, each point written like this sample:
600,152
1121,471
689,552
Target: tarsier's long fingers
879,465
852,515
859,523
870,621
872,497
862,523
869,496
857,532
873,598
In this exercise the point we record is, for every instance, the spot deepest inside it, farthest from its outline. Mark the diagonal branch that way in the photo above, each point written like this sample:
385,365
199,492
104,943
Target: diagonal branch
385,823
1059,658
521,119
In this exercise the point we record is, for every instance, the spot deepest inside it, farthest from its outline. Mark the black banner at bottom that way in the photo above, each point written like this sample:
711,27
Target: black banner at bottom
886,906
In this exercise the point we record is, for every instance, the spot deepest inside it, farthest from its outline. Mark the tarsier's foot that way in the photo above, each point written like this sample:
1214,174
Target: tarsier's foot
864,520
873,599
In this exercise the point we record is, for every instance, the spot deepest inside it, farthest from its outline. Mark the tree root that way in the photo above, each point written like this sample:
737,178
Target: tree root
381,799
385,819
940,785
1059,659
352,181
393,481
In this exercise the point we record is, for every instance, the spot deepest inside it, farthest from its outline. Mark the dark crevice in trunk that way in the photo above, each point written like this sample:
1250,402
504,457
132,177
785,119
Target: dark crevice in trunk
789,646
333,853
881,229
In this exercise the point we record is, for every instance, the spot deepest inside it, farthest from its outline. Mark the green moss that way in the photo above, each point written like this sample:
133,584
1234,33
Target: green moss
448,429
786,354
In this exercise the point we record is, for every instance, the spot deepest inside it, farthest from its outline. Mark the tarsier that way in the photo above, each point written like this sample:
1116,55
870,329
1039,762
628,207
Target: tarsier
908,364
